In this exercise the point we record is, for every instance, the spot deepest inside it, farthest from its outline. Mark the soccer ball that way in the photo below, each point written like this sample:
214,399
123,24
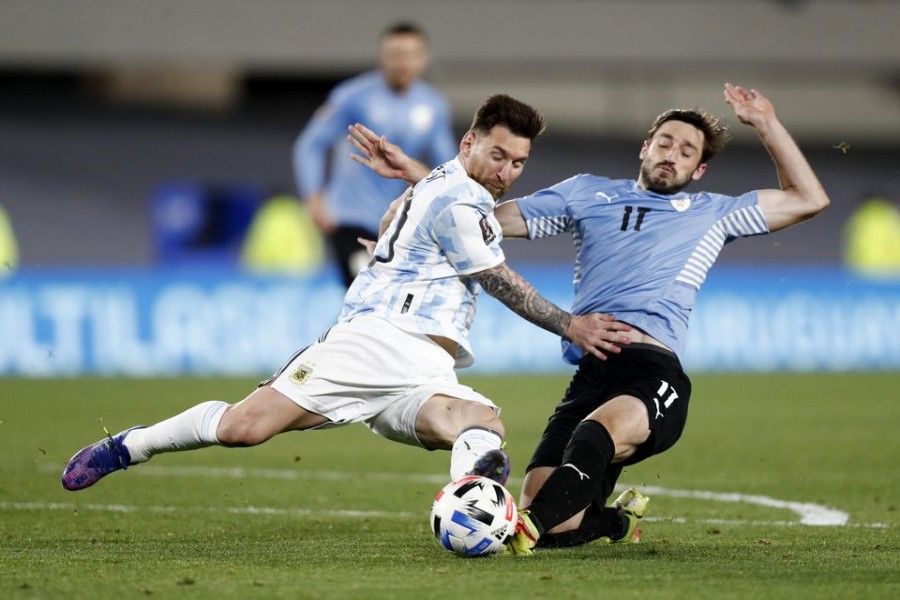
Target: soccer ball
474,516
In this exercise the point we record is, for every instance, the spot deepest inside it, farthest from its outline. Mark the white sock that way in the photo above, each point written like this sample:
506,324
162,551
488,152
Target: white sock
194,428
469,447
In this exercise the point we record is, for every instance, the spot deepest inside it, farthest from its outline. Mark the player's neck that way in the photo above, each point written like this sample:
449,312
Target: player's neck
400,89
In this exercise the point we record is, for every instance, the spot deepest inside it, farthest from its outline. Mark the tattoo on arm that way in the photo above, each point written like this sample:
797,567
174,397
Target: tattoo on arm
511,289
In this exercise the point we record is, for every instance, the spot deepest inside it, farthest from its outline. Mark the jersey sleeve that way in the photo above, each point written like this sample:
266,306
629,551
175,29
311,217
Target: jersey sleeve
740,216
469,238
547,212
311,149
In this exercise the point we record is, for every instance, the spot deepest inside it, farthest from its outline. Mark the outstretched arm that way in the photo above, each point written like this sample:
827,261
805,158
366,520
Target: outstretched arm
801,195
512,223
309,156
383,157
595,333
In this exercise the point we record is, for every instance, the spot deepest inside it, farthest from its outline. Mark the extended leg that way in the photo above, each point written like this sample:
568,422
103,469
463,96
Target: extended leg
261,415
612,433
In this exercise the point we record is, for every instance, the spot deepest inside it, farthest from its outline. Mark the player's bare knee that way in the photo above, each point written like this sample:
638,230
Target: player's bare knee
483,416
623,451
626,440
442,419
625,419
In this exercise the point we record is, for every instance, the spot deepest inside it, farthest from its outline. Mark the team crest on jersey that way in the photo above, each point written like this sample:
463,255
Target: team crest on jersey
487,231
681,204
301,375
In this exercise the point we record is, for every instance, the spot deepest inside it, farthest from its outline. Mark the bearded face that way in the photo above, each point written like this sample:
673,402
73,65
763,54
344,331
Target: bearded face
495,159
662,177
671,158
402,58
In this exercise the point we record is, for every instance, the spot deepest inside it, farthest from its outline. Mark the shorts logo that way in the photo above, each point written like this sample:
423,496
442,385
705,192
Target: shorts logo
301,375
673,396
486,231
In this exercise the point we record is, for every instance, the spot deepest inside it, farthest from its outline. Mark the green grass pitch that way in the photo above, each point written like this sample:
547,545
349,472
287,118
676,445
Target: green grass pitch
343,513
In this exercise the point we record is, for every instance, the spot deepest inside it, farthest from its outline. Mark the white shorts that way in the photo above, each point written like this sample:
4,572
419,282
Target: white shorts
373,372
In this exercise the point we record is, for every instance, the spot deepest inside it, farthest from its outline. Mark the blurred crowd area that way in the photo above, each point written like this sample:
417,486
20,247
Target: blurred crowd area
82,178
104,119
148,149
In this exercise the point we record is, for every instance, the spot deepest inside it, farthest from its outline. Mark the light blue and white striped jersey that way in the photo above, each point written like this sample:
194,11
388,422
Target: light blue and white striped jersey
418,121
445,230
640,255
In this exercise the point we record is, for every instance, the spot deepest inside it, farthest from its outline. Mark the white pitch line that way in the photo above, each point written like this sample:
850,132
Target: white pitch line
808,512
359,514
289,475
745,522
236,510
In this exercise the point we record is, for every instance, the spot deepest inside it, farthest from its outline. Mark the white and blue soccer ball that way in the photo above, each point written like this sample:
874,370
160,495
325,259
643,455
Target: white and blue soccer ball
473,516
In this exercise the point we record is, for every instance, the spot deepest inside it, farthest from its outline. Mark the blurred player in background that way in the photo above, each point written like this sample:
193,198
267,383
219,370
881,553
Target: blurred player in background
394,99
644,248
9,248
404,327
872,238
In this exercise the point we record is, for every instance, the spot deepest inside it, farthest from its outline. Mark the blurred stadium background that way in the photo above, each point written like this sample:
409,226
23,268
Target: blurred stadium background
136,140
108,107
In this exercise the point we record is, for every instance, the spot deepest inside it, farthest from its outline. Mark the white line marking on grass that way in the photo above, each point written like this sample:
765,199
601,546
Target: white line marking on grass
808,512
744,522
236,510
289,475
359,514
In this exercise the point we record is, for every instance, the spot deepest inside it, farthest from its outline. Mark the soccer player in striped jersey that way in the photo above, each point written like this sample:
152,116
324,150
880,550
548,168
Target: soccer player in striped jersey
405,321
644,248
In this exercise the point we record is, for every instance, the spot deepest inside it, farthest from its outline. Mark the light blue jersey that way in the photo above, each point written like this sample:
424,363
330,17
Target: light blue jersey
640,256
418,121
445,230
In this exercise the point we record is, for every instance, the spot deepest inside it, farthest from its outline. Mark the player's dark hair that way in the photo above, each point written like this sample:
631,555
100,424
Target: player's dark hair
404,28
715,132
520,118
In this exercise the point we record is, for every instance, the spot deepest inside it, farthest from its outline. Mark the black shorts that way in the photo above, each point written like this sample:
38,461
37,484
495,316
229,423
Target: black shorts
347,250
648,372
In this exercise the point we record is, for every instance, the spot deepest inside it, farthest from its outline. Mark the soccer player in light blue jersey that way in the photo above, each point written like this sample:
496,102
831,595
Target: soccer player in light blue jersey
644,248
349,201
389,361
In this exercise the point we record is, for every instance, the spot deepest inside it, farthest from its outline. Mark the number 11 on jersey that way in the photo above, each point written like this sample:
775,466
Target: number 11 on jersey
626,218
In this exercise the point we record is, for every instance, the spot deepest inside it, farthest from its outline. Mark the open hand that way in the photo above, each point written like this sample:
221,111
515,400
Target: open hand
377,153
749,106
598,334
